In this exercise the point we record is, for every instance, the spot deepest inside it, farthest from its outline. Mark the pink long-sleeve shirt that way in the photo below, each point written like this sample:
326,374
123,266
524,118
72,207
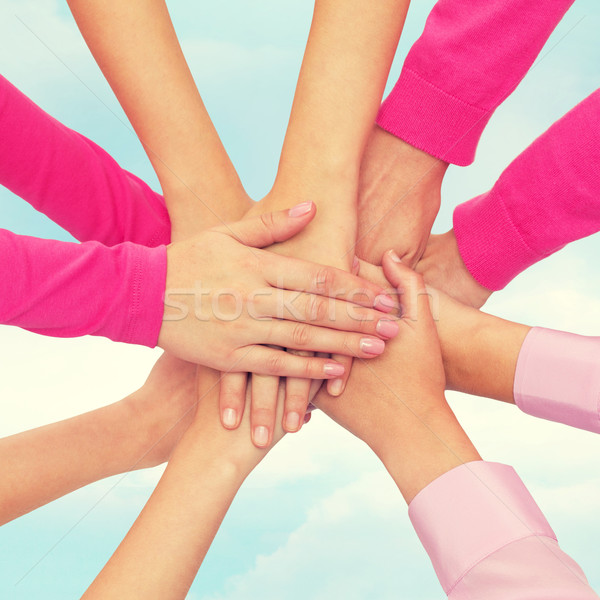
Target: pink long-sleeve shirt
114,288
488,539
470,57
558,378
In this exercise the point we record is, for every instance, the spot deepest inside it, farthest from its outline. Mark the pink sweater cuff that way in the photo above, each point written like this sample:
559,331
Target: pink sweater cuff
489,243
558,378
471,512
432,120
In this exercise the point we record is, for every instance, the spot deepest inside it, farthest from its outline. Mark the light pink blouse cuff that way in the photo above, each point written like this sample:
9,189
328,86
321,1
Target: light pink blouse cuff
471,512
558,378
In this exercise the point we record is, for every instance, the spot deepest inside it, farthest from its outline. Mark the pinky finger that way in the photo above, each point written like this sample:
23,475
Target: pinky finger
232,399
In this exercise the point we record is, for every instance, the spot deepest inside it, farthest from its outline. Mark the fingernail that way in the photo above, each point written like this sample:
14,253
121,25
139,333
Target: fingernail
261,436
229,417
372,346
384,302
300,209
335,388
387,328
355,264
292,421
394,256
334,369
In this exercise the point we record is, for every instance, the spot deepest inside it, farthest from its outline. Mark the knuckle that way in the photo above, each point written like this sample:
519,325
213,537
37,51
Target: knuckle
317,308
275,364
296,400
324,278
268,220
301,335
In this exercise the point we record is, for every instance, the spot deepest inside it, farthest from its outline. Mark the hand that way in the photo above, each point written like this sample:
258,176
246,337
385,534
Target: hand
415,372
398,198
325,243
443,268
240,307
396,402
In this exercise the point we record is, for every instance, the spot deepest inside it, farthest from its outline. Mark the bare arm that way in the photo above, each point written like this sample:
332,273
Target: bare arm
135,45
140,431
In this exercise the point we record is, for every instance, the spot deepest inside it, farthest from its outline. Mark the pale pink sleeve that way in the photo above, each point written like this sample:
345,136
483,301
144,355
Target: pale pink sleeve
72,180
65,289
488,539
558,378
470,57
547,197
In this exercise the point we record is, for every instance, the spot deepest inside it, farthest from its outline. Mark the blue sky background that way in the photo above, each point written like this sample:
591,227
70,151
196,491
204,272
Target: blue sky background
320,517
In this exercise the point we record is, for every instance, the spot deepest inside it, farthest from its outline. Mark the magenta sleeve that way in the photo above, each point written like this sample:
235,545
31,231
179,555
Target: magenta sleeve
558,378
487,538
547,197
65,289
72,180
470,57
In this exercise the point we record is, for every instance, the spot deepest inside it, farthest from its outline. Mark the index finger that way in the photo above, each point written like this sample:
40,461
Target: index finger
301,275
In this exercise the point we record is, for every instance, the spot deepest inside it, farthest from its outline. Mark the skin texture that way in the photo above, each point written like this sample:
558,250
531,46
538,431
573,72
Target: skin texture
226,326
347,60
398,198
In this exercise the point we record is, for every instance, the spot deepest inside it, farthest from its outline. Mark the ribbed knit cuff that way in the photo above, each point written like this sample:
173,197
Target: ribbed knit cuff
432,120
147,283
490,245
558,378
471,512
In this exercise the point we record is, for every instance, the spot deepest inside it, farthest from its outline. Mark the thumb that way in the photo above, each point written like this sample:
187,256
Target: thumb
270,228
412,292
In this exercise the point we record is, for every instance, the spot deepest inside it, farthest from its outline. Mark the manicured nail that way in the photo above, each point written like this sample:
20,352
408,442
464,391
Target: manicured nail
292,421
387,328
335,388
394,256
372,346
229,417
334,369
300,209
261,436
355,265
384,303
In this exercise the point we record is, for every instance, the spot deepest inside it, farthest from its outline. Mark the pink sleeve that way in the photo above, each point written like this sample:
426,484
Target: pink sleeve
470,57
558,378
66,289
72,180
487,538
547,197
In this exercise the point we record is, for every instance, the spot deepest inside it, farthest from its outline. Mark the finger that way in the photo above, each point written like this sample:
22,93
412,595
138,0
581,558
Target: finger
355,266
232,399
324,312
266,361
270,228
295,274
301,336
296,399
264,390
413,294
336,387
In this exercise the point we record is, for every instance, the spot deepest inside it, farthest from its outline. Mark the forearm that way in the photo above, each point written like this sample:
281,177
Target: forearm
349,52
137,49
480,351
46,463
162,552
416,436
